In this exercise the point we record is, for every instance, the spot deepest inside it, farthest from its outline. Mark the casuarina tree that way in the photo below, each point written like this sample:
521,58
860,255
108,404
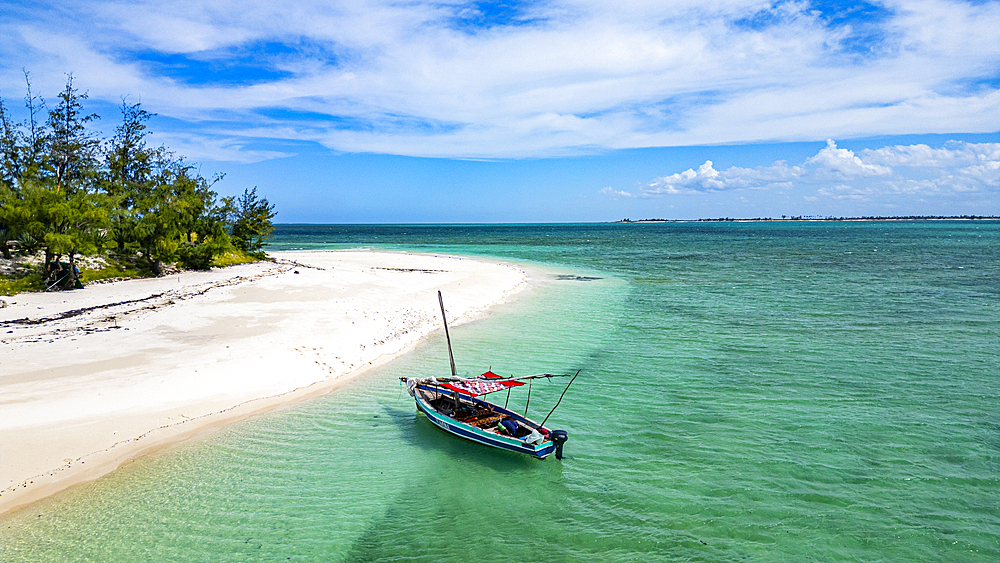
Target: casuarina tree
251,220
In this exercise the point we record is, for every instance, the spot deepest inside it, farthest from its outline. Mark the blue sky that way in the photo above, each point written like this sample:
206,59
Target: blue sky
510,111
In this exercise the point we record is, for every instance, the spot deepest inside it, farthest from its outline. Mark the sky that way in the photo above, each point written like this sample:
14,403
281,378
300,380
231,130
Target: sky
561,111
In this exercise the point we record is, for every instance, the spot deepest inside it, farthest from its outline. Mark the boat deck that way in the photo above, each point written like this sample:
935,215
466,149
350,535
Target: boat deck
476,414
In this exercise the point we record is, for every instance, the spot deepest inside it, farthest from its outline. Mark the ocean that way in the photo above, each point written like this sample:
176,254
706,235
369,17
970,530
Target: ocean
801,391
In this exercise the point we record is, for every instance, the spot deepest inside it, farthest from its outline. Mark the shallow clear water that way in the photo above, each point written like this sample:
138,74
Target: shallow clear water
772,392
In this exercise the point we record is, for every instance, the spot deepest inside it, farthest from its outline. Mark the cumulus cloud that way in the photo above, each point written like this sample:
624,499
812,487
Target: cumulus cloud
706,178
841,174
464,79
843,163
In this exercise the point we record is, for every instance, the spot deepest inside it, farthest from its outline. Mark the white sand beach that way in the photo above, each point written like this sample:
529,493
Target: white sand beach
92,378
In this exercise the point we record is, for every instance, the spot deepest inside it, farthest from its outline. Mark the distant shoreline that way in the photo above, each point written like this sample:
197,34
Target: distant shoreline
817,219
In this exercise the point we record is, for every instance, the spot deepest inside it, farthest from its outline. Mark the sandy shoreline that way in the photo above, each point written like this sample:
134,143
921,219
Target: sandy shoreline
92,378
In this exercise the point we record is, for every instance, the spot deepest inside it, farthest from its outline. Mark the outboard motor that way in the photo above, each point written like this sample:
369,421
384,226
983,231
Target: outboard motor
559,437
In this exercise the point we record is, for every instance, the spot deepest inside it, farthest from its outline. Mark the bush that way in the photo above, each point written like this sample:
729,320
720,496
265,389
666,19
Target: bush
235,257
30,282
195,257
112,269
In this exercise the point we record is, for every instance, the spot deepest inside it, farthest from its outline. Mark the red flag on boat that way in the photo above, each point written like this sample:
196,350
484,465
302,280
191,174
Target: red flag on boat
482,385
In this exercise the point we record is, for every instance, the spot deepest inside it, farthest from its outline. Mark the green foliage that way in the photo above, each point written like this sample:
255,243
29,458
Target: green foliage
234,257
13,286
195,256
72,151
113,269
251,220
66,193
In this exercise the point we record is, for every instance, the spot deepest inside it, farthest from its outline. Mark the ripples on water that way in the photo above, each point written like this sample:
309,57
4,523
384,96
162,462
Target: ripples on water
774,392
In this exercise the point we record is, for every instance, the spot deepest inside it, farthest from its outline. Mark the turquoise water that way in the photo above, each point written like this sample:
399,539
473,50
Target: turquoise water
750,392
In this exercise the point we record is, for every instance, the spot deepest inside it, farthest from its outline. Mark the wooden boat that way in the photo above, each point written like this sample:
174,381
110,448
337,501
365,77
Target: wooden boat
452,404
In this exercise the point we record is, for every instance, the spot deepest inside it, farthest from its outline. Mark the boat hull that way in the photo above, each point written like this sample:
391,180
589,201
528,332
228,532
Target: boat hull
480,436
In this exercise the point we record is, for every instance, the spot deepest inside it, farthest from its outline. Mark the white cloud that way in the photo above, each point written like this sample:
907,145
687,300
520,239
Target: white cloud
843,163
584,76
953,153
609,191
222,149
706,178
840,174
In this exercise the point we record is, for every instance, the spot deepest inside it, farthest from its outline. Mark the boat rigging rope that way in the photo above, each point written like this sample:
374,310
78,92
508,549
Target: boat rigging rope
560,398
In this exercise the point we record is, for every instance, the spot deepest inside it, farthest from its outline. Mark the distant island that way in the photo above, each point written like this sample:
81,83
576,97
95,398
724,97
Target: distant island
787,218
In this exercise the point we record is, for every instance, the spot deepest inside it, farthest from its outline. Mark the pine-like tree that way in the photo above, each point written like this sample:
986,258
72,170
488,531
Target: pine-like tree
251,220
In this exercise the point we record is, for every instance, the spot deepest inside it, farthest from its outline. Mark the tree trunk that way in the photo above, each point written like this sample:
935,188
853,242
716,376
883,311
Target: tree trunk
50,267
154,264
72,278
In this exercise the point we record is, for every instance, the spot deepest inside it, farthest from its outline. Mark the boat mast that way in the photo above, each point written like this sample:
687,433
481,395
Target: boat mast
444,318
528,402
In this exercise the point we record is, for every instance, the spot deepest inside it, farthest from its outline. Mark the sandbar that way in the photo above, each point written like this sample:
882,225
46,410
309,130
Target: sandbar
92,378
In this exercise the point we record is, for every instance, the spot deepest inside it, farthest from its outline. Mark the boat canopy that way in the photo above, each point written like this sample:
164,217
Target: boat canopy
481,385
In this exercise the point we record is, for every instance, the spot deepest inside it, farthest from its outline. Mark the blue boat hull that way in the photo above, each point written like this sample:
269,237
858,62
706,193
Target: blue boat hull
481,436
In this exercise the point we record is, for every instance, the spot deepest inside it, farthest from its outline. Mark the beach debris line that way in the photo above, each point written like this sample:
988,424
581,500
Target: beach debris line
452,404
105,316
287,262
411,270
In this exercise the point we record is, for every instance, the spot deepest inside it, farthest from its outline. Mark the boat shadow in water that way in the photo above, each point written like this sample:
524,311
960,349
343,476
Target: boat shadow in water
416,430
448,508
429,521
